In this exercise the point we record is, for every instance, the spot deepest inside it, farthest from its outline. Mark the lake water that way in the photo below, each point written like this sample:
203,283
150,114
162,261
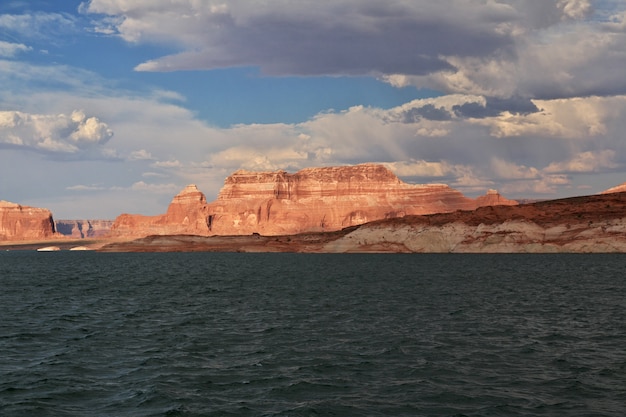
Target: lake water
215,334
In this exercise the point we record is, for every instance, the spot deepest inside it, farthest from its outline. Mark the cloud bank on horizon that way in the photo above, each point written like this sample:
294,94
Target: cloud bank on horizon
113,106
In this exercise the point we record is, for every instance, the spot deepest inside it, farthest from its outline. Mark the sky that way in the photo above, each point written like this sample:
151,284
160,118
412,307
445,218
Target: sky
113,106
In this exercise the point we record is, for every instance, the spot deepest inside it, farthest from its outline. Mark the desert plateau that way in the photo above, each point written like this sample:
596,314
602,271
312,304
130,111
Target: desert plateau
362,208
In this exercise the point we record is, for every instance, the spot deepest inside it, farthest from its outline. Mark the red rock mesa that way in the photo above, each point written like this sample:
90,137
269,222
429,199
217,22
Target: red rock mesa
311,200
25,223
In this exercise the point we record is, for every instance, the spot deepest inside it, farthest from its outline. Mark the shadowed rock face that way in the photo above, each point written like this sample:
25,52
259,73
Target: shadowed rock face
25,223
311,200
81,229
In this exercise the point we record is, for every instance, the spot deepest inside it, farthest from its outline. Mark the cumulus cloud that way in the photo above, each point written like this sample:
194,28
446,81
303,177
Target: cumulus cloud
309,37
510,170
60,133
508,48
575,9
575,118
590,161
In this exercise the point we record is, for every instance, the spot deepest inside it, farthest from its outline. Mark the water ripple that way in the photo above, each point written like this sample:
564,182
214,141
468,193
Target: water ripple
310,335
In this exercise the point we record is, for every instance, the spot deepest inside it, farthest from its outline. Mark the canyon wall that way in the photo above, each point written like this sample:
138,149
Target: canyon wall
311,200
19,223
81,229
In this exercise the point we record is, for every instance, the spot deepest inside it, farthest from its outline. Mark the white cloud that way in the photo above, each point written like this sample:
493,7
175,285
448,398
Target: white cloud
58,133
510,170
543,49
590,161
308,37
575,9
37,25
577,118
81,187
172,163
9,49
421,168
140,155
155,188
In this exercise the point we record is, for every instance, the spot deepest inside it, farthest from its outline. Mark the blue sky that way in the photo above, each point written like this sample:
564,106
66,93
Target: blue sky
112,106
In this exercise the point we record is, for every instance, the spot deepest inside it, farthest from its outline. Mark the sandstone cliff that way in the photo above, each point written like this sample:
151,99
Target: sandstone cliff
18,223
311,200
186,214
81,229
573,225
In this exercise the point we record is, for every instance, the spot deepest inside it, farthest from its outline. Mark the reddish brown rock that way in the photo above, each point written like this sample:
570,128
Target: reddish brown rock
19,223
589,224
493,198
311,200
186,214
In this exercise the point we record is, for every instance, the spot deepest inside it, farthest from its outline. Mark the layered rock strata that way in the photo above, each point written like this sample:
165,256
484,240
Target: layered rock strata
18,223
311,200
81,229
591,224
188,213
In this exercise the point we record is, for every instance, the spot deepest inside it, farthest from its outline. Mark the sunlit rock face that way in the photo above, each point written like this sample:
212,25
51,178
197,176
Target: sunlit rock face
81,229
311,200
186,214
323,199
19,222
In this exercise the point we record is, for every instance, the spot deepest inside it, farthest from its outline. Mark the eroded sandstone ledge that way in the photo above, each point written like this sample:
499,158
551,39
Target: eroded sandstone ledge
581,224
311,200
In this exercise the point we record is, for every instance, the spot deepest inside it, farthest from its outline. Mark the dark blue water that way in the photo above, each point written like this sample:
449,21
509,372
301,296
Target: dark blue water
208,334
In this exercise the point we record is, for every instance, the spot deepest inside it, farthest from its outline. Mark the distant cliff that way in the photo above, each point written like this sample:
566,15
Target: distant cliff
18,223
590,224
311,200
187,214
81,229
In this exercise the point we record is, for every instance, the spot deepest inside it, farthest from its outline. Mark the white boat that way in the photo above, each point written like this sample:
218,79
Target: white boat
49,249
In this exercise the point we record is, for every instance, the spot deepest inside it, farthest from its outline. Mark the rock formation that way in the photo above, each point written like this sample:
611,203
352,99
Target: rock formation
574,225
590,224
311,200
186,214
19,223
81,229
